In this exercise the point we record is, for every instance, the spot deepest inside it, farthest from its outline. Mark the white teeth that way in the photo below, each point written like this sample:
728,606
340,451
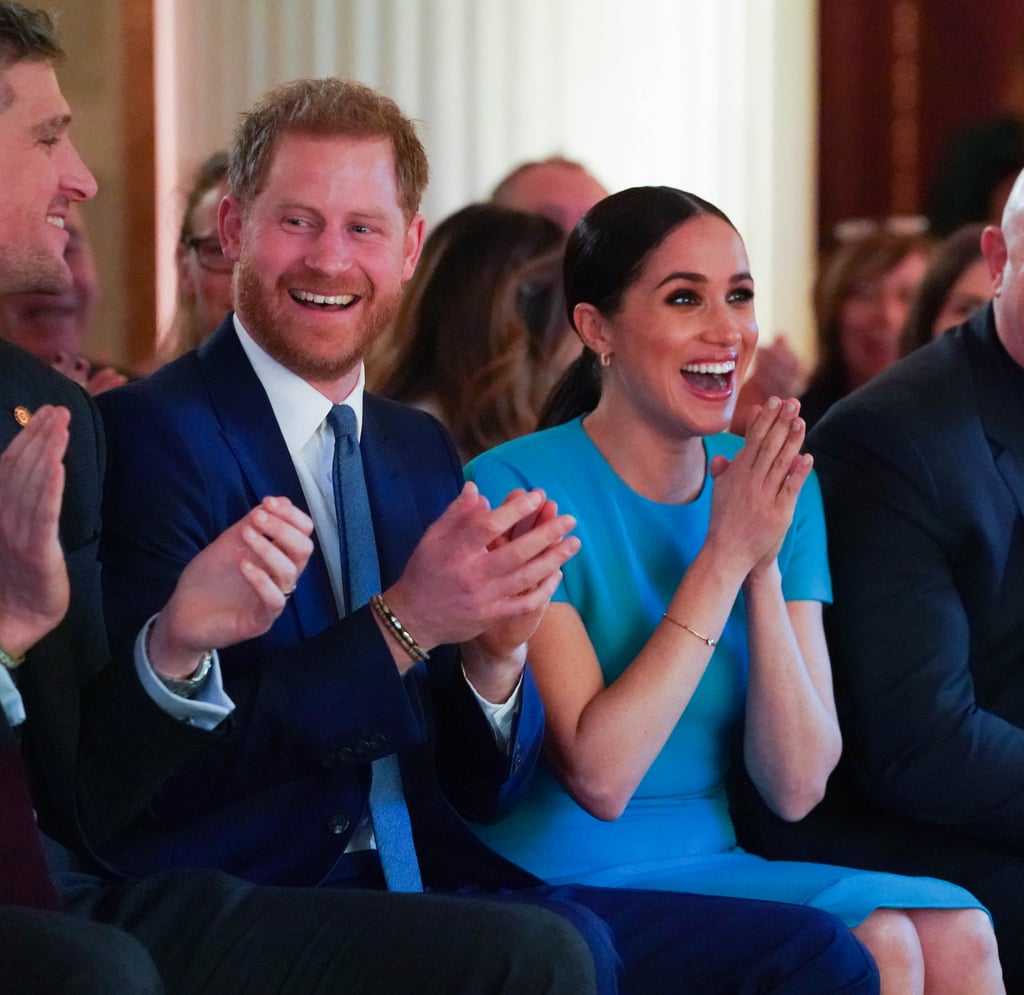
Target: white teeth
52,219
342,300
726,367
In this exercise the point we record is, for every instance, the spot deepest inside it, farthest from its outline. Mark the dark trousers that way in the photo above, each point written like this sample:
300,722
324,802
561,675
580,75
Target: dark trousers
650,942
705,945
208,932
53,953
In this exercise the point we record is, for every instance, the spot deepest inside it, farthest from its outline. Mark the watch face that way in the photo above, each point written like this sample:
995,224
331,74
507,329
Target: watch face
188,686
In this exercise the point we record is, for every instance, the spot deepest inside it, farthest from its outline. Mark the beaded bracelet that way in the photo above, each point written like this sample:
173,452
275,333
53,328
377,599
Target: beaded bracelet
399,631
700,635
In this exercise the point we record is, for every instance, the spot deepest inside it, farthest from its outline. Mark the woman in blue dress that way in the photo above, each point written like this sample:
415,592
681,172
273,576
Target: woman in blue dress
688,628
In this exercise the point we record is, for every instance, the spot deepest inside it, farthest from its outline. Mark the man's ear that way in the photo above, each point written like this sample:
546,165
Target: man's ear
413,245
229,227
592,328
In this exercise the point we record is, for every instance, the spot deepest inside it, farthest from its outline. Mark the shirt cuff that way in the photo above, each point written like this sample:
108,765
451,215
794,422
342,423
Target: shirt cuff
10,699
499,717
209,706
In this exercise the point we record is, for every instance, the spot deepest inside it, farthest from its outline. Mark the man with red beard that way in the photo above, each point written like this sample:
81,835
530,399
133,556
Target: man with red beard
84,740
365,713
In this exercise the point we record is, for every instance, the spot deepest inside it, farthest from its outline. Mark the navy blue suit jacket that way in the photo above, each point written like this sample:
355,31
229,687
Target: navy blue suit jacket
276,800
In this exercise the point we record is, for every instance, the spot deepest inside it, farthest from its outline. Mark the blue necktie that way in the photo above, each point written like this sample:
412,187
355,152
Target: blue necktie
361,579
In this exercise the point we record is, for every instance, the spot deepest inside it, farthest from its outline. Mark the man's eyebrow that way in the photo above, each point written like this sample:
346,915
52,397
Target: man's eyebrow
52,126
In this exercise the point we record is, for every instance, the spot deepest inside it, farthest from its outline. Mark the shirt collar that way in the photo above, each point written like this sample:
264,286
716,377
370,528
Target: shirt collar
299,408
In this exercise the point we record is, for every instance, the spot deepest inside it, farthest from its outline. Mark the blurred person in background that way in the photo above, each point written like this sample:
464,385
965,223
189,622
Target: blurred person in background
204,275
861,301
481,335
558,188
955,285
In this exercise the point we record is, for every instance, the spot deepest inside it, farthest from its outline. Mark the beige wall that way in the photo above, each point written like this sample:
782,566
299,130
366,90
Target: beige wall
733,120
91,80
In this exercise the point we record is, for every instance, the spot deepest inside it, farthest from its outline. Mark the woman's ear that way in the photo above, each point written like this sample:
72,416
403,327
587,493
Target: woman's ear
592,328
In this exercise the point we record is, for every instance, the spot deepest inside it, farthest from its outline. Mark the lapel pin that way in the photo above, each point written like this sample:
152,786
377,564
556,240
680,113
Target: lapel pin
22,415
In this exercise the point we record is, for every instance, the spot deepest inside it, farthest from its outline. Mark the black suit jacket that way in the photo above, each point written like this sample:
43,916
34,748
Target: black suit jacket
192,449
922,472
95,745
923,479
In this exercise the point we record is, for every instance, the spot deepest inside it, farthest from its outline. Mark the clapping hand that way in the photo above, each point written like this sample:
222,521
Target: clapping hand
235,588
34,590
756,492
482,570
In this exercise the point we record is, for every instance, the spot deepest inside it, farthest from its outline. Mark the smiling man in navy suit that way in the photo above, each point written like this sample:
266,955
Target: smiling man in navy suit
97,737
322,220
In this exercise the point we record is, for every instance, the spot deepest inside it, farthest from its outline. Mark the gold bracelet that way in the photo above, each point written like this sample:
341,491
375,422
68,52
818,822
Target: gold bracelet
9,661
397,630
693,632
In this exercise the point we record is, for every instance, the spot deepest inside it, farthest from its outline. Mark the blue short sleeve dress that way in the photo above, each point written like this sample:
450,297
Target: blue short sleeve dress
676,833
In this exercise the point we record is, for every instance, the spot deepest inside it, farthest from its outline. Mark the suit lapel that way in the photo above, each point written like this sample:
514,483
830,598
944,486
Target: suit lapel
250,431
1000,402
20,392
396,517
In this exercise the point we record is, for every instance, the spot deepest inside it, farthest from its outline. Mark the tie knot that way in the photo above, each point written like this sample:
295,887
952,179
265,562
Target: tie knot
342,419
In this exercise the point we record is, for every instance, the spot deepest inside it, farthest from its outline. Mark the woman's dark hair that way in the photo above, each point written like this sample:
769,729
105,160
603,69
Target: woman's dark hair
479,321
953,255
605,254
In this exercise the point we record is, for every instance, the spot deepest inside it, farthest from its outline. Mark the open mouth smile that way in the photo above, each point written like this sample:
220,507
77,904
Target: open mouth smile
710,377
336,302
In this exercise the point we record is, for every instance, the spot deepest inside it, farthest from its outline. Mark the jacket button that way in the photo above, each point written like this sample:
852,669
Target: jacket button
337,824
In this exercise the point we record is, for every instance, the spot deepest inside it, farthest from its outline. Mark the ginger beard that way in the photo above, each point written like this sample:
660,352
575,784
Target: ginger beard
274,320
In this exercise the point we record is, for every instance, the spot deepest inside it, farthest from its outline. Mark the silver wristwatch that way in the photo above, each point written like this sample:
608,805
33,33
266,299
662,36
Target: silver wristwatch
188,687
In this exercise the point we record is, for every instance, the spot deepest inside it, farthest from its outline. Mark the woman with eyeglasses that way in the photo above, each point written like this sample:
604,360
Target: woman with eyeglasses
204,275
861,301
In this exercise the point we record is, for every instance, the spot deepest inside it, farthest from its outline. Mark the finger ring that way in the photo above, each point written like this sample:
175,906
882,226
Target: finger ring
288,592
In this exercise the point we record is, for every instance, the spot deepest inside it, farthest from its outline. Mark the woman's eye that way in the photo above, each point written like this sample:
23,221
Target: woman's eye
683,297
741,295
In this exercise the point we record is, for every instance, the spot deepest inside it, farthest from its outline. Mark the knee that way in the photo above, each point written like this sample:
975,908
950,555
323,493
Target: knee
542,952
890,936
971,931
116,965
960,943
